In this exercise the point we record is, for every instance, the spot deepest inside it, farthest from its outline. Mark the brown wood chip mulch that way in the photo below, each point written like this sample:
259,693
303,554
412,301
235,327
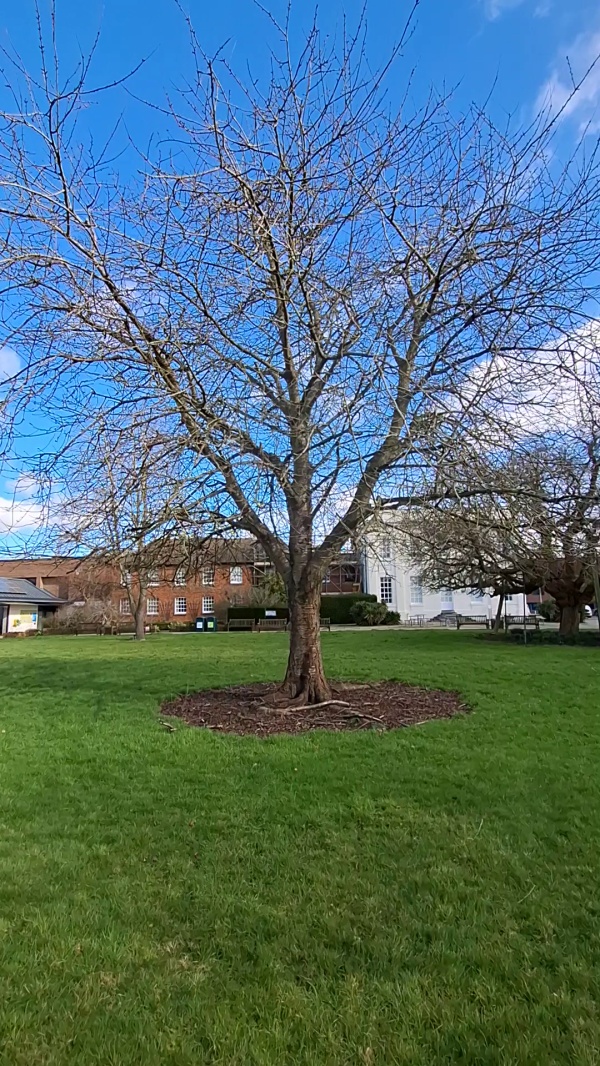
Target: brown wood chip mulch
242,709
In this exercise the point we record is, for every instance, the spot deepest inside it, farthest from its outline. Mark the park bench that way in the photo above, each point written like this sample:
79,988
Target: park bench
472,620
531,620
240,623
272,624
325,623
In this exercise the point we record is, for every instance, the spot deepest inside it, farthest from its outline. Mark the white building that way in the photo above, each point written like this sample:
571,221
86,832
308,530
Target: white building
23,606
388,575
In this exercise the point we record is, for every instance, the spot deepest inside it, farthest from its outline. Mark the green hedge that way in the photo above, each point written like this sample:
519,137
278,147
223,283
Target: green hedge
337,608
256,612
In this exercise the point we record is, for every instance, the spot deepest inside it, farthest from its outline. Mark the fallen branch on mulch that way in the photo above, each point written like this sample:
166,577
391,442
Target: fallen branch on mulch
249,710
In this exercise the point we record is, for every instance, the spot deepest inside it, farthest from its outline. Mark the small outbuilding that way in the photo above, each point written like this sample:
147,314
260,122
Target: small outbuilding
23,606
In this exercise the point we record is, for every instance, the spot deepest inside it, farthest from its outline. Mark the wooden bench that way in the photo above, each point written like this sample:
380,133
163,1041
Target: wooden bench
272,625
472,620
531,620
325,623
240,623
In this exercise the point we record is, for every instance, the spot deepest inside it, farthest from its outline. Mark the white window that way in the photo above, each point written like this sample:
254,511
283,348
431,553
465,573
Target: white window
208,575
180,605
152,605
125,579
180,576
509,599
447,599
208,604
236,576
153,578
385,590
416,590
386,548
124,607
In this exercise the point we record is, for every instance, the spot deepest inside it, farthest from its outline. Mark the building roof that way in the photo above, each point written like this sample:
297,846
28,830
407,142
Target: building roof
19,590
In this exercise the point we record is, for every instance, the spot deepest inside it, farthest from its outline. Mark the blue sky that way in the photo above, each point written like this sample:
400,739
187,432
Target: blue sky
515,50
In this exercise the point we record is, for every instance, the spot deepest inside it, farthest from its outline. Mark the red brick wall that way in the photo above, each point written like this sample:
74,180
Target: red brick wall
194,591
79,579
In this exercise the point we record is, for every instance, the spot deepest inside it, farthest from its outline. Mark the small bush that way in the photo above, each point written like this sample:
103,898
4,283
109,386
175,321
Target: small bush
392,618
368,614
548,610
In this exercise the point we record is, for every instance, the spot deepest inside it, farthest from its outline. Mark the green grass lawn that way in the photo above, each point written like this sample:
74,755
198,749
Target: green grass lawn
425,896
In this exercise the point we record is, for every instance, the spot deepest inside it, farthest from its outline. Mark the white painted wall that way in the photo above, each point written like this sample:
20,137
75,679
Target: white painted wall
382,560
22,618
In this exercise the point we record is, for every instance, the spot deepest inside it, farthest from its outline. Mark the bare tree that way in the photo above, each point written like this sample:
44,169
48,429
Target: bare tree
539,528
123,505
301,286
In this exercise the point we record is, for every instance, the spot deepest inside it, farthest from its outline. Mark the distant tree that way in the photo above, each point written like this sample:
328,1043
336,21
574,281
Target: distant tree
539,527
270,591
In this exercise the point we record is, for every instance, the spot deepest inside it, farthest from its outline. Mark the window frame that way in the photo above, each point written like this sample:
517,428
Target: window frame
416,591
179,600
205,609
124,606
180,578
152,600
386,580
236,570
208,581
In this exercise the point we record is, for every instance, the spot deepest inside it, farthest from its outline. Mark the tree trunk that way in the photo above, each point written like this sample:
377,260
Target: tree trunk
569,620
498,618
305,680
140,621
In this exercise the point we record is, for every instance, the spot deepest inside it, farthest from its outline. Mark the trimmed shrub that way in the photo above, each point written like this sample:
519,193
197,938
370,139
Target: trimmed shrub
335,607
256,612
392,618
367,613
338,607
587,638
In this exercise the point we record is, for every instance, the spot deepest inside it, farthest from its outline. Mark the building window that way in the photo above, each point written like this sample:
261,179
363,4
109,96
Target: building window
509,599
153,578
180,576
208,575
386,548
208,604
385,590
447,599
125,579
124,607
416,590
152,605
180,605
236,576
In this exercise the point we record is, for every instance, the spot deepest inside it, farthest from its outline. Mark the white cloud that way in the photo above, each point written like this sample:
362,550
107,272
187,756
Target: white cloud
580,63
19,514
556,390
10,364
494,9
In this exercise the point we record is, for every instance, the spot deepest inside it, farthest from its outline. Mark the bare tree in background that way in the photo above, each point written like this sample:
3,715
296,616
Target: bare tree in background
302,288
123,507
540,528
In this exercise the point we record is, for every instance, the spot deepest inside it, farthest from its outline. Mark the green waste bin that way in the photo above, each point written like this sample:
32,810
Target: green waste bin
210,624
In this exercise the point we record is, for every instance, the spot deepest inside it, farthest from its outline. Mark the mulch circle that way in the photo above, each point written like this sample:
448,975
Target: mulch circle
243,709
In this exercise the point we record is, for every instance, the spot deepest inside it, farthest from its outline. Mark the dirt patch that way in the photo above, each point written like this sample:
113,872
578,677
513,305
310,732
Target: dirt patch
247,710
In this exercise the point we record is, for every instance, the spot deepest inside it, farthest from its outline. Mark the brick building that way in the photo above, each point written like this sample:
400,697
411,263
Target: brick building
177,591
